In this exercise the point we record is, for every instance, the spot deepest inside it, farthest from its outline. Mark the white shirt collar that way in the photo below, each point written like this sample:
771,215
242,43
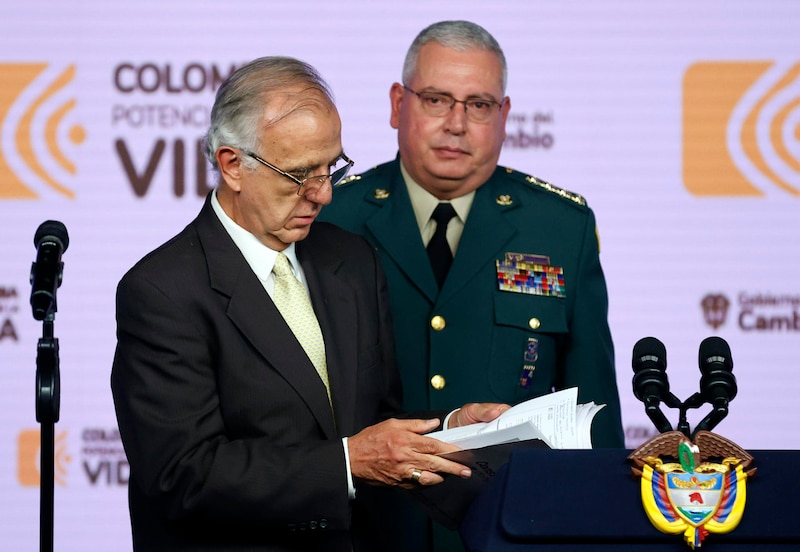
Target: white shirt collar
260,257
423,202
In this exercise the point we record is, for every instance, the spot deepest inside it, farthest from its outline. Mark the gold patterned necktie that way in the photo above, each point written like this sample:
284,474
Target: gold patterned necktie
294,304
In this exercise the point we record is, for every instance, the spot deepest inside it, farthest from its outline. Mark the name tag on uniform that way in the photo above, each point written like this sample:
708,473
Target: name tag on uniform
531,274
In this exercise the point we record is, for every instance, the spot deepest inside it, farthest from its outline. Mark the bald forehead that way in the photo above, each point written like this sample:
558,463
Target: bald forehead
284,103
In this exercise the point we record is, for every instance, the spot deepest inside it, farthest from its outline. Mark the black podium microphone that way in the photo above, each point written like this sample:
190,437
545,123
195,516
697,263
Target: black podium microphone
717,383
650,384
51,240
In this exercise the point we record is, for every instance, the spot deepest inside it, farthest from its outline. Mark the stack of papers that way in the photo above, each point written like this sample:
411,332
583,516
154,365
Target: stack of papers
557,419
553,421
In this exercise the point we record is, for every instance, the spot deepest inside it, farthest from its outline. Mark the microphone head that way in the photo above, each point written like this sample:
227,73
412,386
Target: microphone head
650,383
649,349
650,369
716,365
53,230
715,350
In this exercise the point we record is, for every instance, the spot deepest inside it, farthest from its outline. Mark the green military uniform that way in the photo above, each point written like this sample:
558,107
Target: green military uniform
475,342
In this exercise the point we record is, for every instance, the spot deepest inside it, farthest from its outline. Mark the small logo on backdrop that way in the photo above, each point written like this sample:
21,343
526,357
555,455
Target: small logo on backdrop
530,131
9,307
741,124
103,457
161,112
715,309
635,435
28,458
766,312
38,131
769,312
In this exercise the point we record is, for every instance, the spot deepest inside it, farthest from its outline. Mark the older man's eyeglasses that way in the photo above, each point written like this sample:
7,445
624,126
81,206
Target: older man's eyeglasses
437,104
338,170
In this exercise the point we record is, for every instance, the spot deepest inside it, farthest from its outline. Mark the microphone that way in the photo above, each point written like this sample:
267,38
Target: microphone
717,384
51,240
650,384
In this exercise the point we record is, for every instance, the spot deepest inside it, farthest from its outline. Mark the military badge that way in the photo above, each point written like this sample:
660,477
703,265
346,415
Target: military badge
531,274
692,488
530,357
526,258
532,350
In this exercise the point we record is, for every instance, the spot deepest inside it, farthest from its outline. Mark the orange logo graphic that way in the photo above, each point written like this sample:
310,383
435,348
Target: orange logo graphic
37,131
28,447
741,129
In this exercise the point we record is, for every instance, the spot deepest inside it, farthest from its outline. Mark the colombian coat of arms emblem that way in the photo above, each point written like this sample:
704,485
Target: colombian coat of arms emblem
694,488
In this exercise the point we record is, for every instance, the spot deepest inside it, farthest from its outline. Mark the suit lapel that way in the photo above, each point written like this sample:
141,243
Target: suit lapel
334,306
395,229
485,234
257,318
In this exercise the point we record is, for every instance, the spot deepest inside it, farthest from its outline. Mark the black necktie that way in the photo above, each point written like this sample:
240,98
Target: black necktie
439,252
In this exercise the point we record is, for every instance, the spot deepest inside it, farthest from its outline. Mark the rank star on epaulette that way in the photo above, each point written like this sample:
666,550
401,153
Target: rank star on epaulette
577,198
349,179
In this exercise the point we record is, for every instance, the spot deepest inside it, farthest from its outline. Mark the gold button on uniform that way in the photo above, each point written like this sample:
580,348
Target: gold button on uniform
438,382
438,323
534,323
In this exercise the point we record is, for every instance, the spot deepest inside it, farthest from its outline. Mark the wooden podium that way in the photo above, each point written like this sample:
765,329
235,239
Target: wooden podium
561,500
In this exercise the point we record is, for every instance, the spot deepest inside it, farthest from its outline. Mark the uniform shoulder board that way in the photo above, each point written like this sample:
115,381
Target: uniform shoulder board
356,177
348,180
566,194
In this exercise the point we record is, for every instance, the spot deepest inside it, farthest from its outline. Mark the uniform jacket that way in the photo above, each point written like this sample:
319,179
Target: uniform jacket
478,338
231,440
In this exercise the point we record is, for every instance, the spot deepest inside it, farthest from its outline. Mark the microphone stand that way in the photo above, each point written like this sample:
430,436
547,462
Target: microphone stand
695,401
719,411
657,417
47,413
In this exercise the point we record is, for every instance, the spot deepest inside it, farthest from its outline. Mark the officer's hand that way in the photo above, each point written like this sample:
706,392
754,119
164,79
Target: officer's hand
476,412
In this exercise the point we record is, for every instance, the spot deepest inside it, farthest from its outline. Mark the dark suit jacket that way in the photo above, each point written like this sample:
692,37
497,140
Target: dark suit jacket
480,350
227,427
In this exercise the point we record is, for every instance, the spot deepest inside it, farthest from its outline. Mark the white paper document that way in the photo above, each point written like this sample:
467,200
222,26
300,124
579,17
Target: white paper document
557,419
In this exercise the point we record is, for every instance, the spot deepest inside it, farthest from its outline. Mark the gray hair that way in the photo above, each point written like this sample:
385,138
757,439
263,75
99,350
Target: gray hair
237,115
457,35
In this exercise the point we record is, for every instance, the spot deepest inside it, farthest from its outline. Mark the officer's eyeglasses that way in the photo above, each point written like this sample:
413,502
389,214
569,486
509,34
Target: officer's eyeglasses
437,104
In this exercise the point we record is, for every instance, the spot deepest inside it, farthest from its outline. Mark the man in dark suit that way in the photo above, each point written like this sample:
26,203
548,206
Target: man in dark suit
241,433
522,310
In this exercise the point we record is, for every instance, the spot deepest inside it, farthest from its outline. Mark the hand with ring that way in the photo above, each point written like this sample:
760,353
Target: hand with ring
398,453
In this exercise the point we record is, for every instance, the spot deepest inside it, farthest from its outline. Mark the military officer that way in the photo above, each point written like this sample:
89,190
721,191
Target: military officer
496,287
